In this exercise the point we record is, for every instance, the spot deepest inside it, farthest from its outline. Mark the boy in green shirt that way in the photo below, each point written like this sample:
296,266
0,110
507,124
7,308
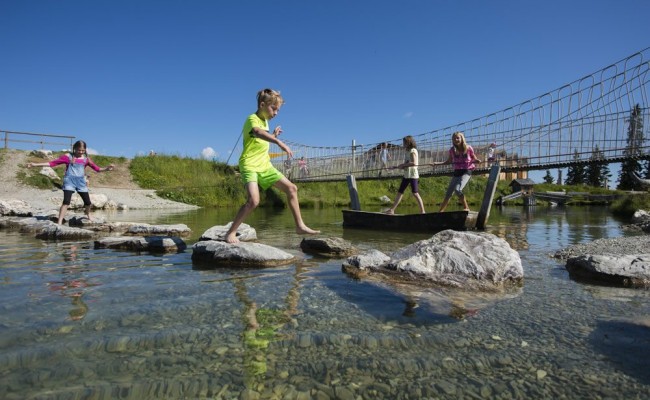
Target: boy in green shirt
255,163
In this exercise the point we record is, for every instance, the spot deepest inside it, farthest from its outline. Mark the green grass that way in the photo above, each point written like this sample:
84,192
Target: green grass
188,180
628,205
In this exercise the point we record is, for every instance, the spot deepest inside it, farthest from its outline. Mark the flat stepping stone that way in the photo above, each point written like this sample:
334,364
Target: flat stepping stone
213,253
171,230
218,232
157,244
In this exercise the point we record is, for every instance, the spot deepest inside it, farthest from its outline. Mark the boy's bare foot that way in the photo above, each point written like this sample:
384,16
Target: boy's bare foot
305,230
389,212
232,238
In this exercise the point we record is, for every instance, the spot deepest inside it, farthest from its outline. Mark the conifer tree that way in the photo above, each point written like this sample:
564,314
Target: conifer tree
548,178
597,171
575,173
633,150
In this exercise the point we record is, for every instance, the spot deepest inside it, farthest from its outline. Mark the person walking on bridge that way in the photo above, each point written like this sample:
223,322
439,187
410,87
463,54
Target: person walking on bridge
411,175
462,157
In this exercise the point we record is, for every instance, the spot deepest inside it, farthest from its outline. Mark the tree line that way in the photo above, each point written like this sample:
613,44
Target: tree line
596,171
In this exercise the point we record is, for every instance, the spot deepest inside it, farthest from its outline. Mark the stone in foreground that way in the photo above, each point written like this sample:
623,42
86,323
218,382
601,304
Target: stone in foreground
632,270
218,232
468,260
155,244
328,247
213,254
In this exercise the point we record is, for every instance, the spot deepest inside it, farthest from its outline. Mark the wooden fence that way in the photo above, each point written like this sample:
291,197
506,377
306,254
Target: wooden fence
41,139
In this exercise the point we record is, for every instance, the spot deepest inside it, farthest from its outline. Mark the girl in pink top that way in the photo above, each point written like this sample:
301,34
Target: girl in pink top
462,157
74,178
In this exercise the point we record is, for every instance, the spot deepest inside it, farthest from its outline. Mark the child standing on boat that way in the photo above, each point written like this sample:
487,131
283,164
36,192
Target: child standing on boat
255,163
383,158
411,175
462,157
74,178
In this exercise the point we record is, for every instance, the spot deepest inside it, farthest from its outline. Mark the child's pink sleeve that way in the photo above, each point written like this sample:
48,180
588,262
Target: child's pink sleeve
63,159
94,166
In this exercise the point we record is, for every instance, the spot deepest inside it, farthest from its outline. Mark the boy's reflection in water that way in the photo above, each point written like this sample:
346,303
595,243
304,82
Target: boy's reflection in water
73,284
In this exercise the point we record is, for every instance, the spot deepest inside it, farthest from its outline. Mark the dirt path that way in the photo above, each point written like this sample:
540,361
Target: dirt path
117,185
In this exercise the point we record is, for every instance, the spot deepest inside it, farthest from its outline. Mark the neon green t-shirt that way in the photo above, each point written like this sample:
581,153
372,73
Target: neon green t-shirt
255,156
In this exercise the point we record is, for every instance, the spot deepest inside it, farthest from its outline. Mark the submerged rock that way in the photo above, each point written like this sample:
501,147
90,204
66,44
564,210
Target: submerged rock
631,270
213,253
218,232
328,247
157,244
471,260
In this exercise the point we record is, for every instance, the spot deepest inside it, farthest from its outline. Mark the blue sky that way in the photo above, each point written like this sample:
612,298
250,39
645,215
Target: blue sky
178,77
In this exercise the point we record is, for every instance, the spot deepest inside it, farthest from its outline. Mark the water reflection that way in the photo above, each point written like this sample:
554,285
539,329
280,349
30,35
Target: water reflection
153,327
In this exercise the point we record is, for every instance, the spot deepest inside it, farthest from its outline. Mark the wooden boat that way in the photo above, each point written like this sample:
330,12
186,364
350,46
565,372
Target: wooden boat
429,222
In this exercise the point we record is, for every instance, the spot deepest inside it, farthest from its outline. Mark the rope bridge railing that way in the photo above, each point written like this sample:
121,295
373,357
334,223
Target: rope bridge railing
586,120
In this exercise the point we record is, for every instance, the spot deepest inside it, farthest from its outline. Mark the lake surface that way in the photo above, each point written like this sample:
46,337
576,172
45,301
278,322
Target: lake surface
79,323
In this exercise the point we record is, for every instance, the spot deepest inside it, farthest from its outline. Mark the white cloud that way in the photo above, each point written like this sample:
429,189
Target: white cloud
91,151
409,114
208,153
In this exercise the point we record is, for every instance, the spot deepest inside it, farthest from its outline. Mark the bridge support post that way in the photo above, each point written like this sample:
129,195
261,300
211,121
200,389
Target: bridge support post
354,194
488,196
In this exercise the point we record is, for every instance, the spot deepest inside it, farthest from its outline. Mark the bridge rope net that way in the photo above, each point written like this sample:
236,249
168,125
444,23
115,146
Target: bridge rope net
586,120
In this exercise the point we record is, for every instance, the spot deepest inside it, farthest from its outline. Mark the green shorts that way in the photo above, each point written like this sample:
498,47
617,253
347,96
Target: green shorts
265,179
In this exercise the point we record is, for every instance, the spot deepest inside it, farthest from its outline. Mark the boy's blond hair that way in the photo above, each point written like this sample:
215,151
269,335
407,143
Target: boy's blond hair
269,96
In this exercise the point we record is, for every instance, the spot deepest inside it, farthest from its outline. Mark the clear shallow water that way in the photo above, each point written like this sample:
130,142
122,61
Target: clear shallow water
82,323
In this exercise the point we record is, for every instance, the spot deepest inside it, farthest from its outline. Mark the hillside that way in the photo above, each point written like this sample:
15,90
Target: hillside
117,185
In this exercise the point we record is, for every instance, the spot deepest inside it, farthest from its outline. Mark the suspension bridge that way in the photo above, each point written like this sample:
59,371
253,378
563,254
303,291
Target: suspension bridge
597,118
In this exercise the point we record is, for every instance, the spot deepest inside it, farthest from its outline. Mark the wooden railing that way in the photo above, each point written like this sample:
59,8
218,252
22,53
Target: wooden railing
42,139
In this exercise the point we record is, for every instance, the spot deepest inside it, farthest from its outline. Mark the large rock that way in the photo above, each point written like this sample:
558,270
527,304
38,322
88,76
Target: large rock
41,153
17,208
218,232
213,253
631,270
50,173
156,244
470,260
328,247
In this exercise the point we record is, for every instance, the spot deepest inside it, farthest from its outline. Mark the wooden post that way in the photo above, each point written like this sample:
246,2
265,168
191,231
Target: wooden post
488,196
354,194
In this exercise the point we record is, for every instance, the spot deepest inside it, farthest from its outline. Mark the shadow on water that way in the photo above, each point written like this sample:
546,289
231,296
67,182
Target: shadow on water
387,305
626,344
